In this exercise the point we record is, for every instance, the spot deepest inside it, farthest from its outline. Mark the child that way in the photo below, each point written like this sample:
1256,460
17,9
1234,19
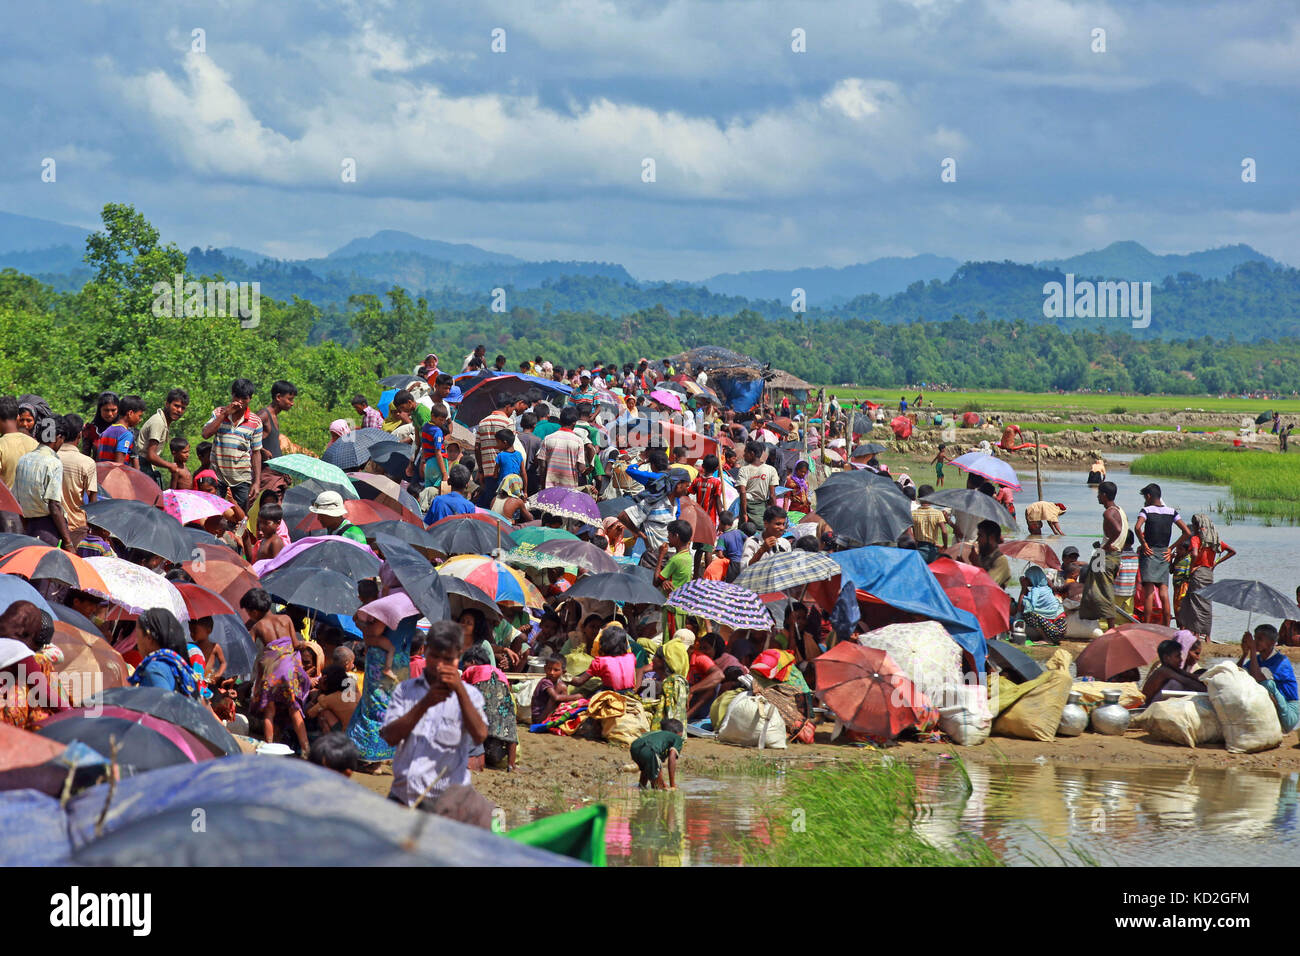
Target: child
336,751
269,543
335,703
798,499
417,654
374,629
939,461
550,690
182,480
509,462
204,452
676,570
432,458
651,751
213,654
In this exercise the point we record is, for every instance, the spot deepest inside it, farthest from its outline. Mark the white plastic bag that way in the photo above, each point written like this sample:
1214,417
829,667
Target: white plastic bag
968,720
1244,708
1190,721
523,691
753,721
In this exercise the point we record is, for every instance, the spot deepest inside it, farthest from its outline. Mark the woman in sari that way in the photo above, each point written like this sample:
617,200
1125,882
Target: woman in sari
1206,551
368,719
1040,608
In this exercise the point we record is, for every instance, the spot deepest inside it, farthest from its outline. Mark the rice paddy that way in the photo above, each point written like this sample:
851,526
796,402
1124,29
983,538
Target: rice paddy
1097,404
1262,485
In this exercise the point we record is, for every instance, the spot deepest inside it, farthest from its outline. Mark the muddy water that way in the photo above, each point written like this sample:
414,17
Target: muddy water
1028,813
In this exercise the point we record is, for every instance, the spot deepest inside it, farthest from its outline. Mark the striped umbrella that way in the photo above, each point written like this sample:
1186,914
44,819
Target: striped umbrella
498,580
304,467
42,562
723,603
782,572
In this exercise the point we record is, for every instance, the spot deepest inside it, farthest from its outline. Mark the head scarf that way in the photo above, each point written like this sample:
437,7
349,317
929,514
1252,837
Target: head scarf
795,480
1039,599
512,486
340,427
36,405
1185,640
676,656
1205,529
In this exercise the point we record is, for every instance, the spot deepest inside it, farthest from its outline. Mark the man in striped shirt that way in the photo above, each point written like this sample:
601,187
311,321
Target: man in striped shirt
1154,531
565,453
486,446
236,436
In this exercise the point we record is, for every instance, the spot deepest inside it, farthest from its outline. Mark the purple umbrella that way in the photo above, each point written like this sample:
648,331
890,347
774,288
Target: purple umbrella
567,503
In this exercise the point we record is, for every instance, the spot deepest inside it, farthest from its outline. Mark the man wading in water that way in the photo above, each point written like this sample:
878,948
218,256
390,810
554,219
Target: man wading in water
1099,583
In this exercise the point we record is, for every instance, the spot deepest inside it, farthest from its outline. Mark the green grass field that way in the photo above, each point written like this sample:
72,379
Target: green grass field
1262,484
1006,401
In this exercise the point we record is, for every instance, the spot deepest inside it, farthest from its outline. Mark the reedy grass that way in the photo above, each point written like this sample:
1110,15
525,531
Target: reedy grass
1262,484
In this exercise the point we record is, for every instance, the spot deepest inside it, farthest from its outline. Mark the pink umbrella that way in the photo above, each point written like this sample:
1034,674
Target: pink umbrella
392,608
191,746
187,506
665,397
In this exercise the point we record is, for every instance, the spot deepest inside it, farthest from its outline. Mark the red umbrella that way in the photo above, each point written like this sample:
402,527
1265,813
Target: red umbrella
864,688
1122,649
902,427
7,500
226,578
201,602
971,589
123,481
1035,552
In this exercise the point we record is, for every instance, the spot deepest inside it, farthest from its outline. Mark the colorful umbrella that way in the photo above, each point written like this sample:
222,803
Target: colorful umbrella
43,563
865,689
1035,552
988,466
127,483
971,589
187,506
189,745
925,652
566,503
137,589
784,571
1120,649
304,467
723,603
536,534
140,526
177,710
497,580
89,663
201,602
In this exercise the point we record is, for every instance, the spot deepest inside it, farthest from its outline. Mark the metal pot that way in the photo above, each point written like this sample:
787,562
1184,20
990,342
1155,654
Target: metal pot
1074,719
1110,718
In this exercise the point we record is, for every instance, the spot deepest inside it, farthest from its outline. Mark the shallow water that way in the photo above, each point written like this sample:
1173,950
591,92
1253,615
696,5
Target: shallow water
1028,813
1263,553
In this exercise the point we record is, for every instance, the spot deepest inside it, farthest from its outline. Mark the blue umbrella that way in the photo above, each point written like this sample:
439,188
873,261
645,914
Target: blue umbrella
16,589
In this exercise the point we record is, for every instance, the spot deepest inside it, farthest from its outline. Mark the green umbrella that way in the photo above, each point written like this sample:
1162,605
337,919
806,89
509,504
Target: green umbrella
304,467
536,535
529,556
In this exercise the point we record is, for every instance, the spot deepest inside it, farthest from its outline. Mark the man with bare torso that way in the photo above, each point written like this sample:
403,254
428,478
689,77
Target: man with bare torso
1099,582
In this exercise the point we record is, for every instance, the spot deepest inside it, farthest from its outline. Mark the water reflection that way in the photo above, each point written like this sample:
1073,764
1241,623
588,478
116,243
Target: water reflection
1045,813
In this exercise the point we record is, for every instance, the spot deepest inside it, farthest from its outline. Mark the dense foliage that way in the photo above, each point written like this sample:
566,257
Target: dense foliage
69,345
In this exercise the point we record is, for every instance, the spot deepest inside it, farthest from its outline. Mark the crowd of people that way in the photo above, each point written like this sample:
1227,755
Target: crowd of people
685,489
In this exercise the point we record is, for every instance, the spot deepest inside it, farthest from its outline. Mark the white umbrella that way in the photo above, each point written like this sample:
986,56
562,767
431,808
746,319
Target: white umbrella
925,652
137,589
988,466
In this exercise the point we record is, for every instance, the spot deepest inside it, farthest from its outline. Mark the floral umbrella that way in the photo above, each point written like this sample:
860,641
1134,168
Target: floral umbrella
187,506
136,589
567,503
924,652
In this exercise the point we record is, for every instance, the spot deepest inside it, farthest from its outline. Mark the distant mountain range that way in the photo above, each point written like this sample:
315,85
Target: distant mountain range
1234,290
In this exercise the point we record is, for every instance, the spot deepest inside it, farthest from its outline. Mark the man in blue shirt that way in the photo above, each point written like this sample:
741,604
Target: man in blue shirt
454,502
1260,653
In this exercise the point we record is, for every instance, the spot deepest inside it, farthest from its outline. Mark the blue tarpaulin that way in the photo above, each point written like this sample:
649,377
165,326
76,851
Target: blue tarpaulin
900,578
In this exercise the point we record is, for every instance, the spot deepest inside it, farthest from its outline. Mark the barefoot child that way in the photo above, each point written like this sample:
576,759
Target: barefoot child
375,638
268,543
939,461
550,690
280,684
182,480
651,751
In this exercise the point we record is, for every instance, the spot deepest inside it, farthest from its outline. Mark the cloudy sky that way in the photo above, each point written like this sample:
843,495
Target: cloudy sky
764,157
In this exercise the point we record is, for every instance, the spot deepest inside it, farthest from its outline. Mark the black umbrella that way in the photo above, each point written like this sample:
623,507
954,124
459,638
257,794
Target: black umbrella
138,525
422,584
469,536
318,589
483,396
869,448
864,507
229,632
353,449
1019,666
620,587
974,503
636,570
674,387
385,490
12,542
462,594
139,748
336,554
863,423
615,506
1253,596
400,381
175,709
393,456
297,502
197,537
413,535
